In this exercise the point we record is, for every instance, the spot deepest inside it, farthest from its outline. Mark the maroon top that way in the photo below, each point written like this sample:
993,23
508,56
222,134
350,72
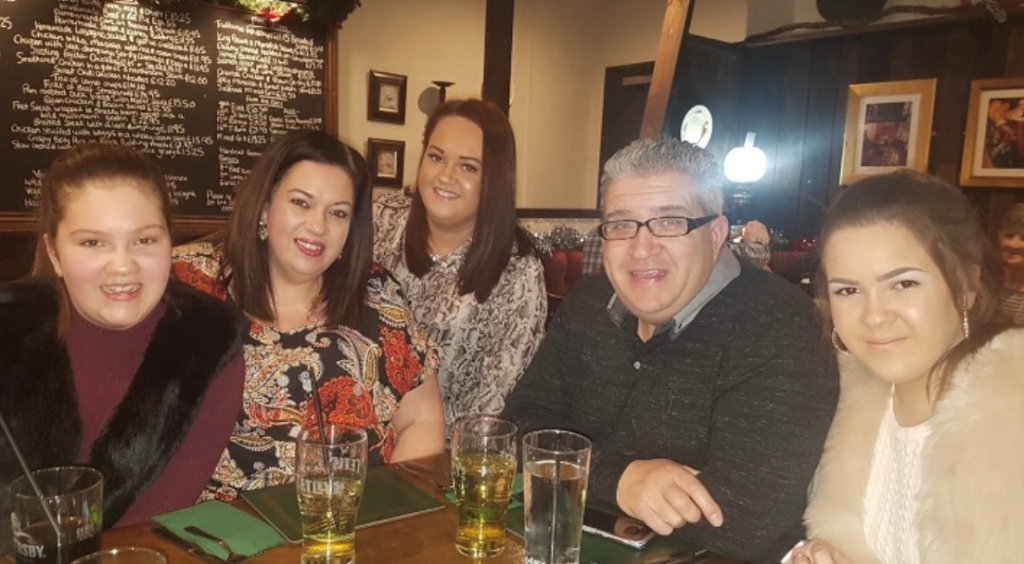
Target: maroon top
104,362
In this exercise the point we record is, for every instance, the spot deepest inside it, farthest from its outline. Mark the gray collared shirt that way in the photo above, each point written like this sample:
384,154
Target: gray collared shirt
726,270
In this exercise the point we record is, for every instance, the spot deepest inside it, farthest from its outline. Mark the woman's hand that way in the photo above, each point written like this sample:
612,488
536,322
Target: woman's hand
419,422
817,552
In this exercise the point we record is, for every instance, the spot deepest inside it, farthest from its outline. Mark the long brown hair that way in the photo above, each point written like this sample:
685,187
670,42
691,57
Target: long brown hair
246,258
496,228
91,164
939,216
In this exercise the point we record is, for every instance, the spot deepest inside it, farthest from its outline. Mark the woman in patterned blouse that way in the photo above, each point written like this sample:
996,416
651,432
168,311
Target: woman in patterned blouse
470,272
296,258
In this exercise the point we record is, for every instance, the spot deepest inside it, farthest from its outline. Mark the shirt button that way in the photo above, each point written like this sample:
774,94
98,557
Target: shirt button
636,364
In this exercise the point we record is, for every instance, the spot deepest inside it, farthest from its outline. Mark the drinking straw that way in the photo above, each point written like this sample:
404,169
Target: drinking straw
35,485
318,411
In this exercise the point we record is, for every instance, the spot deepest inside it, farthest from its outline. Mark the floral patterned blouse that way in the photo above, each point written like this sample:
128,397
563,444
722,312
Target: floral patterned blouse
362,376
483,347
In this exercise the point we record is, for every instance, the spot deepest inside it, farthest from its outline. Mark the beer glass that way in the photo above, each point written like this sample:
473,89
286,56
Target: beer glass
329,475
556,465
74,497
483,467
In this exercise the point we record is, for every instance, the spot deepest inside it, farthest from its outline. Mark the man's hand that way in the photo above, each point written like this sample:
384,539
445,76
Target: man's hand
817,552
665,495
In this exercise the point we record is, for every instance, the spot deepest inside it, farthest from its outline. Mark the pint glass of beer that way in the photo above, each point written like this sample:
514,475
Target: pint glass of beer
74,501
329,475
483,467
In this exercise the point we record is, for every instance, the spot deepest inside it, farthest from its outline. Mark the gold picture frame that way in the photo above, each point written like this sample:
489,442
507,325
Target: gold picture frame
888,127
994,139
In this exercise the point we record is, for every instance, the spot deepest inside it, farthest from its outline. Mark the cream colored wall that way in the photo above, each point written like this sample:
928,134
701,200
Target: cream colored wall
559,54
630,31
423,40
554,54
724,20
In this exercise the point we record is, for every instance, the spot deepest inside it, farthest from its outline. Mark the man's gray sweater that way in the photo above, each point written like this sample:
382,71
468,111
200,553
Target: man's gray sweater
745,394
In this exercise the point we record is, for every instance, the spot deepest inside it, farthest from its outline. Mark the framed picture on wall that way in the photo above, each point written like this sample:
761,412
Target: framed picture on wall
386,159
888,126
385,99
994,138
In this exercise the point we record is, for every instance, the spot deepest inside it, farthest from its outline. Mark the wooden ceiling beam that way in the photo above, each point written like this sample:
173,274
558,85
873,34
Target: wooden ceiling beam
673,29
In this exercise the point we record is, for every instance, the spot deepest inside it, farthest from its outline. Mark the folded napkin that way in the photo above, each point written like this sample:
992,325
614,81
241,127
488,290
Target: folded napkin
245,533
517,488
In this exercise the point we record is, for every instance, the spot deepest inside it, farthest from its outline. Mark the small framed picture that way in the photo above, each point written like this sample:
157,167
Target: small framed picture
385,100
386,159
888,126
994,139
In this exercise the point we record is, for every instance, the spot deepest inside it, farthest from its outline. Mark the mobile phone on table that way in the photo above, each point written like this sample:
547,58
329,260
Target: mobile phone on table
619,528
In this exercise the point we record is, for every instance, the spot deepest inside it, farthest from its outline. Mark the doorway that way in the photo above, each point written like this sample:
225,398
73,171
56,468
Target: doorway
625,97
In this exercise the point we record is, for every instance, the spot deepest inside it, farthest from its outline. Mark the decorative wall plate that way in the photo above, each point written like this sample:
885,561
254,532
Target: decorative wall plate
697,126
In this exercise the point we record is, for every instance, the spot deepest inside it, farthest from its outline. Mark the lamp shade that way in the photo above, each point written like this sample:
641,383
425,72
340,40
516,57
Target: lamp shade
745,164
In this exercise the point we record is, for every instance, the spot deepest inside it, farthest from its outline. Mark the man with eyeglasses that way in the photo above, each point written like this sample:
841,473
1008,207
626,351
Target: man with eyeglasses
704,383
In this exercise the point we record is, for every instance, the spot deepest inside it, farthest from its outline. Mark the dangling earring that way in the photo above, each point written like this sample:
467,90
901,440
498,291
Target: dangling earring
261,230
837,343
966,324
341,254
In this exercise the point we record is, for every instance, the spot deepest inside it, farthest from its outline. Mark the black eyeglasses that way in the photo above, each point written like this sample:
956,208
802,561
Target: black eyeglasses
669,226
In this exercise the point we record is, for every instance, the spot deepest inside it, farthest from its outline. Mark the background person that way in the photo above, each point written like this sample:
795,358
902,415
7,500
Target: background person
702,381
296,258
923,461
105,362
472,276
1011,251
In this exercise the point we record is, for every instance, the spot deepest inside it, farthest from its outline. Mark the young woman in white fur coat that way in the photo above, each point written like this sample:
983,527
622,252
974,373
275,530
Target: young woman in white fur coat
925,459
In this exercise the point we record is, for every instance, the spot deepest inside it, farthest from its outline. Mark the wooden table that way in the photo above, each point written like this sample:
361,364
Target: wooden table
423,539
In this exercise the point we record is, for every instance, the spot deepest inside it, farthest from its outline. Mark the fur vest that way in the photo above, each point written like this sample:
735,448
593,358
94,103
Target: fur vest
193,341
972,493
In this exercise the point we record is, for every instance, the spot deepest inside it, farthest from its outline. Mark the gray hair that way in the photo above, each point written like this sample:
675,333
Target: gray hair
661,155
1013,221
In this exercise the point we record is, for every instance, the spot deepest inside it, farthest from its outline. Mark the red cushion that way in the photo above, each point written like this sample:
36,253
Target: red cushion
555,267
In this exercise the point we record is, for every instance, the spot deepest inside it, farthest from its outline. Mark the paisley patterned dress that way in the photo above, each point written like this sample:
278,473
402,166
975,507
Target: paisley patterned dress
362,375
483,347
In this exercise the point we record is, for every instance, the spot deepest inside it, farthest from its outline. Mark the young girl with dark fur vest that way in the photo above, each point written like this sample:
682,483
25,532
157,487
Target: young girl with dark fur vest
104,361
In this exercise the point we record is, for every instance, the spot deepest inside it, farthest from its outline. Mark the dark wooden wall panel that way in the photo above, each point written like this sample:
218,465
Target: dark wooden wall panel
819,133
709,73
794,97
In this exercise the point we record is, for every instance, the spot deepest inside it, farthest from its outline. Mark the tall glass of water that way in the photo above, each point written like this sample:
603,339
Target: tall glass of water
483,467
329,475
556,465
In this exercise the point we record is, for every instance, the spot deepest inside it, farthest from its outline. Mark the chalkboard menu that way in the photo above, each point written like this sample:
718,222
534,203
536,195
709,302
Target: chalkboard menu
202,90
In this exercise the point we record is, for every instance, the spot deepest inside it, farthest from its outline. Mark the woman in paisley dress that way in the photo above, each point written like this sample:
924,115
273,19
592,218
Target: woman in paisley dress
471,274
297,259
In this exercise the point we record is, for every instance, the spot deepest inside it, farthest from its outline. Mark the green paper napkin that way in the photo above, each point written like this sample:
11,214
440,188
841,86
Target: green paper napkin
517,487
245,533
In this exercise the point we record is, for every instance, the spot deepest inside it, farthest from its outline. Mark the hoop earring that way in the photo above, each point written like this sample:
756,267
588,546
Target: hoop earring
261,230
837,343
966,324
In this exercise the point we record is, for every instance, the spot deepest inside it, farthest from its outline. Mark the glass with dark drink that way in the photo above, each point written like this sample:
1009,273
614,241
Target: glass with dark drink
68,526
